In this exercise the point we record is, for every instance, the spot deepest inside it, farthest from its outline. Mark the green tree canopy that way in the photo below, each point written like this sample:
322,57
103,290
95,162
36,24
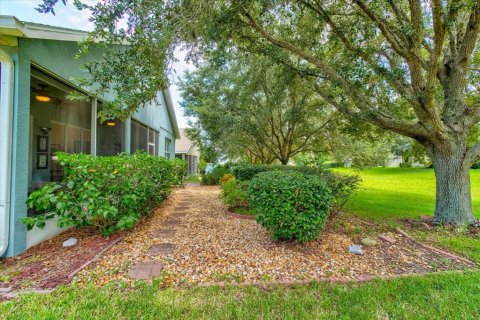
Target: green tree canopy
252,108
408,66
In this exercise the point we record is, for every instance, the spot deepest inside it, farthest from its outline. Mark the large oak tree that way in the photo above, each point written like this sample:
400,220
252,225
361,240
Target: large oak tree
408,66
252,108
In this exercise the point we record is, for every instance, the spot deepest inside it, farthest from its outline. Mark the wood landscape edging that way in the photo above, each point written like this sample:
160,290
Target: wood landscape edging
332,280
239,216
95,258
441,251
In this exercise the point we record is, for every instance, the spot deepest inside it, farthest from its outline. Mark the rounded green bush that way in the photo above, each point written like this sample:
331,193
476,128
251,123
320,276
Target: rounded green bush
290,205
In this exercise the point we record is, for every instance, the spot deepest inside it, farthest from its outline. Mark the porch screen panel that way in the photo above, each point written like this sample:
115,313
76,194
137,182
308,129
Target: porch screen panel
57,124
139,137
110,136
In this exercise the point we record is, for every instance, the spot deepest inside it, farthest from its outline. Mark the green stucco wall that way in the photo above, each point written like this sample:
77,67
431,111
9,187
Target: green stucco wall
56,57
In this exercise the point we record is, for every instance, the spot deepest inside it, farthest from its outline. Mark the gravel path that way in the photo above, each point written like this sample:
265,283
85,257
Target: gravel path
210,246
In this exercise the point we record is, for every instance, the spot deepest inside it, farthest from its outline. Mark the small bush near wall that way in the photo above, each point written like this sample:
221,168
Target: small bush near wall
109,193
234,193
213,178
341,185
289,204
181,171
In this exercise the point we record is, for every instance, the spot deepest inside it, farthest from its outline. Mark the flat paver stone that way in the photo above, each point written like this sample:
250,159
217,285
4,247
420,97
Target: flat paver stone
145,270
164,233
161,249
171,223
178,214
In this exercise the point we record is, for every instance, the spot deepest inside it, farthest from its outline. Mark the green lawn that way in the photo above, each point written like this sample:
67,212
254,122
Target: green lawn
392,193
387,194
455,296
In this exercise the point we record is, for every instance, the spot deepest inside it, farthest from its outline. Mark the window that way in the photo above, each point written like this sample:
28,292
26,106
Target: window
110,136
143,138
168,143
57,124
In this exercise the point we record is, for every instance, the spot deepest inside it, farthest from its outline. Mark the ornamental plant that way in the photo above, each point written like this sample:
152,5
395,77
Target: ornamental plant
290,205
341,185
234,193
213,178
180,170
108,193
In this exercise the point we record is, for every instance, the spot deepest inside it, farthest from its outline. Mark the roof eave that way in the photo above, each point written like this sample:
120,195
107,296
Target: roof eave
171,112
11,26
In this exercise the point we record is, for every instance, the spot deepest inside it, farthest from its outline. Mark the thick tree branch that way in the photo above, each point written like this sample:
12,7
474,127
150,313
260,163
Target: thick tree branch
402,87
414,131
469,40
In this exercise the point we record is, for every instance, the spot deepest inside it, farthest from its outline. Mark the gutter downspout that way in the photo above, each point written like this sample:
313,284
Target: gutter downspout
6,111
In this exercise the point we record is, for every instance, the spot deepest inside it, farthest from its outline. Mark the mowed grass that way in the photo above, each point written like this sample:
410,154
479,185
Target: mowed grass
389,195
453,296
398,193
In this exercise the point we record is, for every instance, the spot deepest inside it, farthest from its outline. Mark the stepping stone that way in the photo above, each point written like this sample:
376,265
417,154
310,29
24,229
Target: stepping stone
145,270
171,223
355,249
368,242
178,214
161,249
164,233
182,208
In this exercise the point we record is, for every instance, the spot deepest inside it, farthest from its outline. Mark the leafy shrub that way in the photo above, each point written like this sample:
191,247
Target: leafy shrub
289,204
109,193
226,177
181,171
341,185
213,178
246,171
234,193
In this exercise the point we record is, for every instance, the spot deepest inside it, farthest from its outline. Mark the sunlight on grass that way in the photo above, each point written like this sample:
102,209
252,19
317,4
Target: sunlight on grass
434,297
396,193
391,194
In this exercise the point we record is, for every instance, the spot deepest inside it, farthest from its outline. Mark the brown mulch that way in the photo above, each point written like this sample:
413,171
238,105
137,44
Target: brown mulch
211,246
48,264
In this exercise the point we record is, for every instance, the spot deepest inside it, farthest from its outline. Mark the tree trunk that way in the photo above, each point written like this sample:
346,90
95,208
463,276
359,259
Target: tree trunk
453,196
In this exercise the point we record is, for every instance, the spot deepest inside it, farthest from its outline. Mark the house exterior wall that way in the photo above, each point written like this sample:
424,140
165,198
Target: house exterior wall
57,58
155,115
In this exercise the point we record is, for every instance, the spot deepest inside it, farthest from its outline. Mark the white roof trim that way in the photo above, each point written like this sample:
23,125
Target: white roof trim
11,26
171,112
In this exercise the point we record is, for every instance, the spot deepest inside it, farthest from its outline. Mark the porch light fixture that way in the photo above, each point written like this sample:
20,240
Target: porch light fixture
43,98
42,95
110,123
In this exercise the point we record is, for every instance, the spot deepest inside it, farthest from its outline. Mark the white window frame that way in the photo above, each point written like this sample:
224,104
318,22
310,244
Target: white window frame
156,134
167,148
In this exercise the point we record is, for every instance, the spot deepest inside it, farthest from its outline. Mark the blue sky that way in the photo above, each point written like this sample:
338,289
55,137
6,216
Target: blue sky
68,16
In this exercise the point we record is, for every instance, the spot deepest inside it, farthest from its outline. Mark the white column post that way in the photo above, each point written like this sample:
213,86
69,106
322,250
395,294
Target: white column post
93,131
